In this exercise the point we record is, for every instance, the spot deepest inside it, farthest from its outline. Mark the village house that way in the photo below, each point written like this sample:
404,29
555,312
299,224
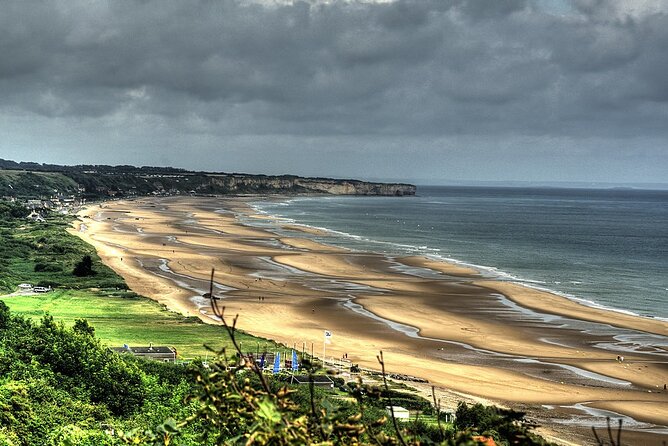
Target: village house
34,204
400,413
35,216
157,353
318,380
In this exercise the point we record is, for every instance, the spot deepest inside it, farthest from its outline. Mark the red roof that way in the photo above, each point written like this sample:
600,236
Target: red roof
487,441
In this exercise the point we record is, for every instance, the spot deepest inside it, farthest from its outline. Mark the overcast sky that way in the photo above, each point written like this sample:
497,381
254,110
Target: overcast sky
428,91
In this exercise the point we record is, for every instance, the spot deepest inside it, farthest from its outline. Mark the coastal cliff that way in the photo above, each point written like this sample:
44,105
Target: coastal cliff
33,180
245,183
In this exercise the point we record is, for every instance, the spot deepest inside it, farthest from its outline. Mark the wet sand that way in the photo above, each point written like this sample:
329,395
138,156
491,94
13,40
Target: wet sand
488,340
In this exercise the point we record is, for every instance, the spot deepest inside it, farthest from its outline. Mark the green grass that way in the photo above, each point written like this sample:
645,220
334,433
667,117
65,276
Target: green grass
21,183
131,320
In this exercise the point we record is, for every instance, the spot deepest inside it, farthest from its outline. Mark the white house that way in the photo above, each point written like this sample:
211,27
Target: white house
400,413
36,217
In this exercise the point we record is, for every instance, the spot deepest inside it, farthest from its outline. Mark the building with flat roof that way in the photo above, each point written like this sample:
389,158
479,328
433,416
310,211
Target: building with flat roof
400,413
158,353
318,380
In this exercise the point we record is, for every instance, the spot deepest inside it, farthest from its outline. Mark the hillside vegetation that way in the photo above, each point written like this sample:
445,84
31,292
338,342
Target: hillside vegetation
44,254
26,184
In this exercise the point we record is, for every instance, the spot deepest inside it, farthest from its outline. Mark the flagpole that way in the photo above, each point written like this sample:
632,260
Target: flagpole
324,344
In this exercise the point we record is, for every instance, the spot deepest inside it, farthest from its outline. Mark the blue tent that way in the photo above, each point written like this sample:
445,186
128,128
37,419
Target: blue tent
277,362
295,365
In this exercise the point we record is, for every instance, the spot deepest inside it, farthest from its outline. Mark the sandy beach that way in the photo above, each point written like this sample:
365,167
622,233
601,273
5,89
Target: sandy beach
473,338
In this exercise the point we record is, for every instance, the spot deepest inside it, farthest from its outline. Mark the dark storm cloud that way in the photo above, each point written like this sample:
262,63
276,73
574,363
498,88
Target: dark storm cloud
406,68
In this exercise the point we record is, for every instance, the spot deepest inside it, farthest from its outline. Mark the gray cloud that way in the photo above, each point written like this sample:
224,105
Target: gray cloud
413,71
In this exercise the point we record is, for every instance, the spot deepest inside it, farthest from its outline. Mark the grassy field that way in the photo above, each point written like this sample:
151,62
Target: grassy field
131,320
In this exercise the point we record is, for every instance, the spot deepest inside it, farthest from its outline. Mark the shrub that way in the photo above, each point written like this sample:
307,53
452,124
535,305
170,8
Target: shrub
47,268
84,267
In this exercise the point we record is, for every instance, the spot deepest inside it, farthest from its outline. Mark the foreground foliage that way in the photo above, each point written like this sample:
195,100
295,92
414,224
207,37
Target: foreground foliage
58,382
60,386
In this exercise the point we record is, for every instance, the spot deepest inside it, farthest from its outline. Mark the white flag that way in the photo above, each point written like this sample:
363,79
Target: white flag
328,337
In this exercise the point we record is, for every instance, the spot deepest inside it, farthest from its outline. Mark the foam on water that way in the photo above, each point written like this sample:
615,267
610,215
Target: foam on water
595,247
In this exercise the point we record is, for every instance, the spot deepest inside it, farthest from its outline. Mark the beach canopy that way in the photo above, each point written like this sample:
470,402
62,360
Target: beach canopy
295,365
277,362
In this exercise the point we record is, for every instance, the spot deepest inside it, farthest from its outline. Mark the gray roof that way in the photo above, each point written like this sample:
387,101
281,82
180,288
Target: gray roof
317,379
151,350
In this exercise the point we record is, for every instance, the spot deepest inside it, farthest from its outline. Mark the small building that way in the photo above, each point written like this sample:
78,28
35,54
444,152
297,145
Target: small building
400,413
25,287
157,353
34,204
318,380
34,216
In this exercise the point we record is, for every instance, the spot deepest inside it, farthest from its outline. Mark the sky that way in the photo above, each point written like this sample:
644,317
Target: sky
429,91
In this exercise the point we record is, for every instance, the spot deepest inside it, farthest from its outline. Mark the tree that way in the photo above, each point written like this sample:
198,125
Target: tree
4,315
82,326
84,268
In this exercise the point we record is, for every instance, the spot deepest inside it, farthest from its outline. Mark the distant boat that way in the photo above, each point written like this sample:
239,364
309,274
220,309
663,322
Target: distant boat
208,296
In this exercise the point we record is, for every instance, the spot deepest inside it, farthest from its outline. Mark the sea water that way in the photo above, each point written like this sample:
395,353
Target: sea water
607,248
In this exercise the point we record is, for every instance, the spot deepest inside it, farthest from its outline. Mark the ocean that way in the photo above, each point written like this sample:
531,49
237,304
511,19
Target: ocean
606,248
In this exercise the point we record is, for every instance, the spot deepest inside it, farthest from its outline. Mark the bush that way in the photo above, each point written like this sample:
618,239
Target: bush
501,424
47,268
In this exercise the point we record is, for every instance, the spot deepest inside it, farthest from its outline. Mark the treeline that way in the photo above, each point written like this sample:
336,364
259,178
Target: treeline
43,167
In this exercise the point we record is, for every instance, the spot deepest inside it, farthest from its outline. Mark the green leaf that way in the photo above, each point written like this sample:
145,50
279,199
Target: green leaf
267,410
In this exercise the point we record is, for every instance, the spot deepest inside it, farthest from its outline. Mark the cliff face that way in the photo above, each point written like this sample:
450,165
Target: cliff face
102,181
345,187
269,184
